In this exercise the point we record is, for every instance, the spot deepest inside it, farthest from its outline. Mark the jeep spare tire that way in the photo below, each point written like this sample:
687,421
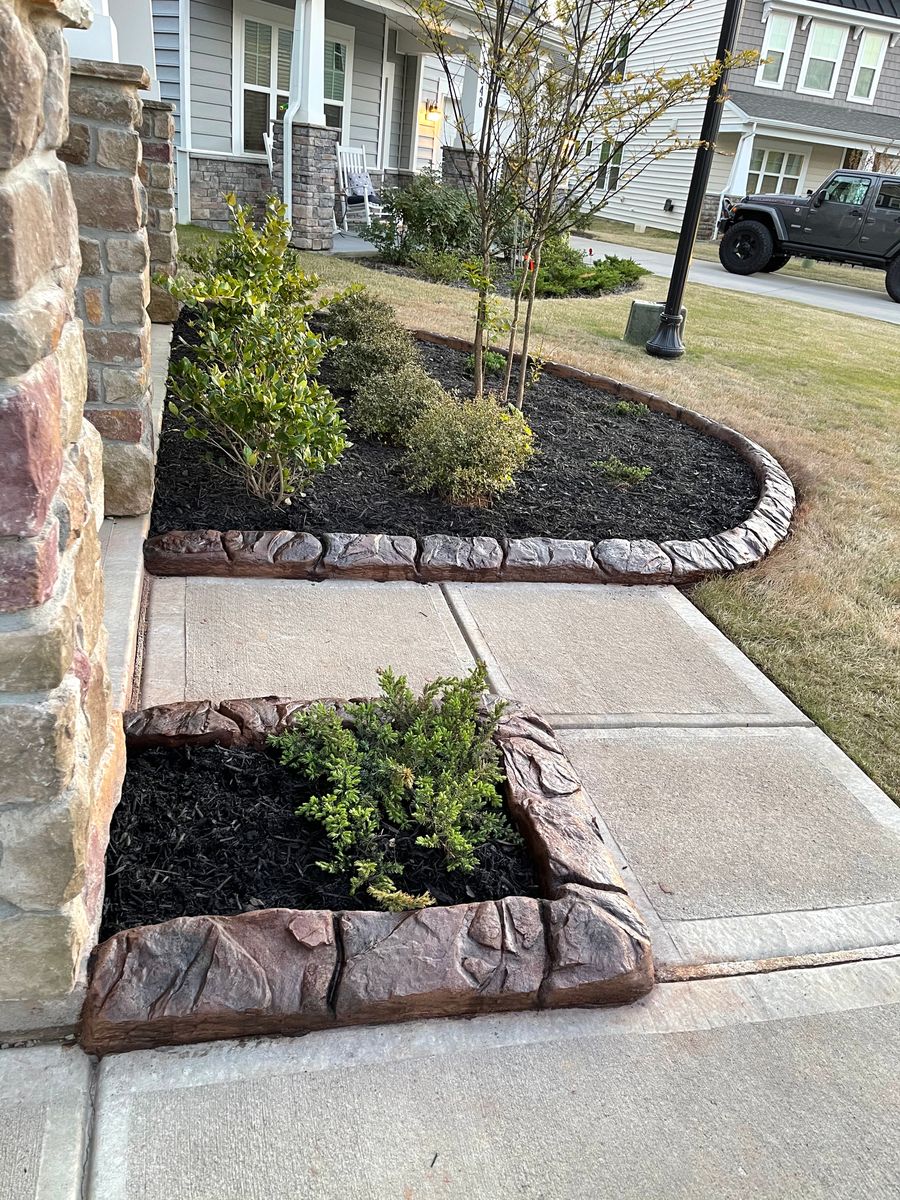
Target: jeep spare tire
746,248
892,280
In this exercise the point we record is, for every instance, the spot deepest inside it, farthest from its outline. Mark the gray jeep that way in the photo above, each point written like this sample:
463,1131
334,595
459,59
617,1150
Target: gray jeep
854,217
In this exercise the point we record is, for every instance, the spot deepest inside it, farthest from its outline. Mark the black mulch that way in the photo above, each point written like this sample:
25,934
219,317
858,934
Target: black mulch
698,485
211,830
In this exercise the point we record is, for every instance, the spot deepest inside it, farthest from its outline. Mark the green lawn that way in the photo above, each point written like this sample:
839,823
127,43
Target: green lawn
662,240
819,390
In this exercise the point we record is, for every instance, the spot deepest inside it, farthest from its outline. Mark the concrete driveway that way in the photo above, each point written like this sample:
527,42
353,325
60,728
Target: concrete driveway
835,296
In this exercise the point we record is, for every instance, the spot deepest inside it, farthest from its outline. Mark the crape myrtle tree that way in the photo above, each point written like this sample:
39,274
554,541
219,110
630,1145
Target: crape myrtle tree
563,124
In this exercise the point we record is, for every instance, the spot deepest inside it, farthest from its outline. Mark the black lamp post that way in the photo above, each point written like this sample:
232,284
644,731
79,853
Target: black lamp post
666,342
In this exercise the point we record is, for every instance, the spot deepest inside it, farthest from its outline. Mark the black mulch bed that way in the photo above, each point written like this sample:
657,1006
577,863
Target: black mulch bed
211,830
698,486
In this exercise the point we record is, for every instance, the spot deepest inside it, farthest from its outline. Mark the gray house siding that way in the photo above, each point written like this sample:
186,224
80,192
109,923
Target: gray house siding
368,51
165,46
752,32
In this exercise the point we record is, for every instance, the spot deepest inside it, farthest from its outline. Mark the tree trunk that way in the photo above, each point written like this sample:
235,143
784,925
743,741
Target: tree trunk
526,330
513,334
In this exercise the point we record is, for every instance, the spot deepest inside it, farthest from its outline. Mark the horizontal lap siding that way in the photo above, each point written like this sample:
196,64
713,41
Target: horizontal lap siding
368,51
165,45
686,40
211,74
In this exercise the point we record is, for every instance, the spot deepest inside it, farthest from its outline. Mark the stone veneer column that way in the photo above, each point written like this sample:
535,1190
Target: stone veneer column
314,172
61,746
157,173
456,165
103,152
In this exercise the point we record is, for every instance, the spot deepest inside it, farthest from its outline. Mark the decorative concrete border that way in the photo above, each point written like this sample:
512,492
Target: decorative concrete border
289,971
383,556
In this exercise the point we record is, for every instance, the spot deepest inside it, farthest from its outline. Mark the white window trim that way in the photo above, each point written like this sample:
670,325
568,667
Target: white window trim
335,32
254,10
760,175
857,66
779,83
838,62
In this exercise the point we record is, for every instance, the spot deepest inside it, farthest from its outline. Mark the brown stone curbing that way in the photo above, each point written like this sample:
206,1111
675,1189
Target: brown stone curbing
482,559
285,971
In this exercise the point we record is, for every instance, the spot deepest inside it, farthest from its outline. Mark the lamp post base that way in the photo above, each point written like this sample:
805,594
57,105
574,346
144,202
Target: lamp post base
666,342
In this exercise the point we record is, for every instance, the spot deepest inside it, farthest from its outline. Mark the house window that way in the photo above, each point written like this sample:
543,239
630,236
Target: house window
774,171
777,49
869,59
610,167
337,59
265,80
822,60
616,57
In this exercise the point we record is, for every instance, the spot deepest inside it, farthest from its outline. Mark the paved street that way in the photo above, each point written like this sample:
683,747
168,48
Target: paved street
835,296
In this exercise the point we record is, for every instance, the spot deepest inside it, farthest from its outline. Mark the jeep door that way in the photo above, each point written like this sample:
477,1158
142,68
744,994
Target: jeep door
833,217
881,229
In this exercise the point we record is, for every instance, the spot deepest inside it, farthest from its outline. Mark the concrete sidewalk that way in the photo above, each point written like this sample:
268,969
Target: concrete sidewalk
766,864
834,296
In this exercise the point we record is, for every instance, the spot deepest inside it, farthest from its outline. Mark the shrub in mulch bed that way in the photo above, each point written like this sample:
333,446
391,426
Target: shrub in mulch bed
697,484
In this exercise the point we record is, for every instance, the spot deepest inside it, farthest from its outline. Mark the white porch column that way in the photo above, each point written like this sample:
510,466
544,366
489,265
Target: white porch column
472,98
100,41
312,65
740,168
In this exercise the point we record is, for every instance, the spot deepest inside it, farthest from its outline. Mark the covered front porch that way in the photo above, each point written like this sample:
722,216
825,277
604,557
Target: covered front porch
252,68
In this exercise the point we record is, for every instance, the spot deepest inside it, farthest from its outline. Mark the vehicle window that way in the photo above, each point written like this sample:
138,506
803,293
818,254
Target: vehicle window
889,196
847,190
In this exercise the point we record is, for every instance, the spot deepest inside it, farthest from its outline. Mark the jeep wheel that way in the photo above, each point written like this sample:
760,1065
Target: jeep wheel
892,280
746,248
776,262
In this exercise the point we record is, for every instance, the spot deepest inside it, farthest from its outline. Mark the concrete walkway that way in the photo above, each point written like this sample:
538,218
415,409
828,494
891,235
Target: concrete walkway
766,863
834,296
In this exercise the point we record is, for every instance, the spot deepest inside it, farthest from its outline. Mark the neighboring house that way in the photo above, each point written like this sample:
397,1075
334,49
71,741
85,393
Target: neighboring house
226,65
828,97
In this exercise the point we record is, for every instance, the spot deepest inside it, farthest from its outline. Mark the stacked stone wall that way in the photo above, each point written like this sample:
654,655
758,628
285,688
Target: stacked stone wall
61,745
212,179
103,153
157,174
313,180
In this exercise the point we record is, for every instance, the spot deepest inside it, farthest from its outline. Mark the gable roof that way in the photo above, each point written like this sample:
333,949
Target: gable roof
812,115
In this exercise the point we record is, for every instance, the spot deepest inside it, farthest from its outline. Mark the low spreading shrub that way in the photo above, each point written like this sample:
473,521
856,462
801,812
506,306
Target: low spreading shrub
440,266
374,343
387,405
626,408
400,762
426,215
564,272
467,450
622,473
494,362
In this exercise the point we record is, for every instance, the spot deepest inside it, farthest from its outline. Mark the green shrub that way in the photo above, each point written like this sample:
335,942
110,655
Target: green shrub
250,392
387,405
374,343
625,408
441,266
426,215
467,450
564,272
248,388
235,275
622,473
400,762
494,362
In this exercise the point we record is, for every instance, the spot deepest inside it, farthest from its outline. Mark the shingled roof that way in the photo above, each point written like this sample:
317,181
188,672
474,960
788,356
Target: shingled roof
878,8
829,117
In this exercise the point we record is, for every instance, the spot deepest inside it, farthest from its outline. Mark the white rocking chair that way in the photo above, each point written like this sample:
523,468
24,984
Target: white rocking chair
355,202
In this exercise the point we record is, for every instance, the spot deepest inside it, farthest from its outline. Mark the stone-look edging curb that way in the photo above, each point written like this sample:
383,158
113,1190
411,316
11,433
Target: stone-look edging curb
289,971
382,556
